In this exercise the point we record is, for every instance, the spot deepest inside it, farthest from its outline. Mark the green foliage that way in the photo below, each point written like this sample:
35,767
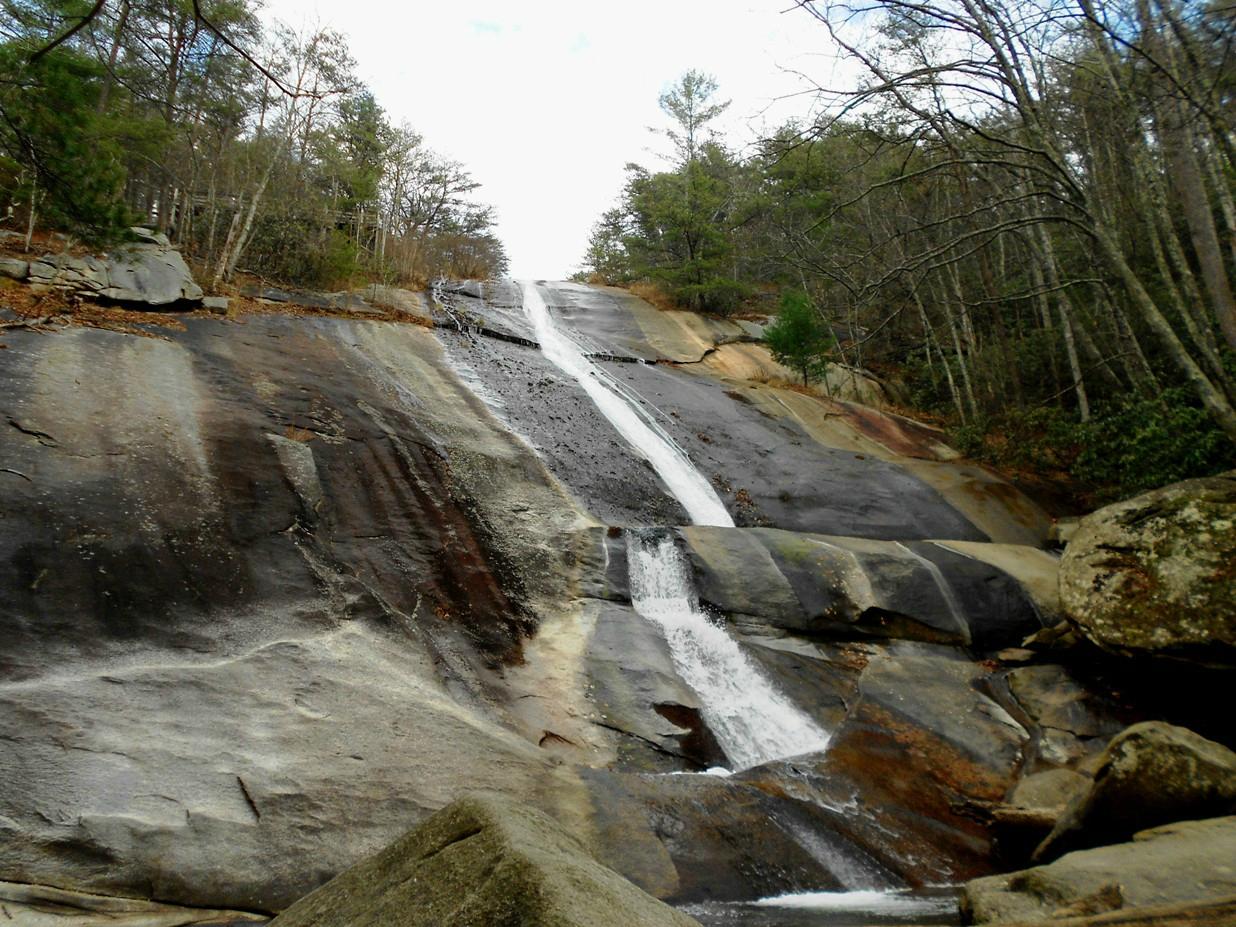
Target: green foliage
679,236
59,148
146,113
606,259
1140,444
676,228
1128,447
798,337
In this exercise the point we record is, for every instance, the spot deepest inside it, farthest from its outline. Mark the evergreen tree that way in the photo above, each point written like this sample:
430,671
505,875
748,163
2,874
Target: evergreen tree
798,337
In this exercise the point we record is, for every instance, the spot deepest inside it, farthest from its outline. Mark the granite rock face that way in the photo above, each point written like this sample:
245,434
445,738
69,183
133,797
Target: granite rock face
46,906
278,588
258,581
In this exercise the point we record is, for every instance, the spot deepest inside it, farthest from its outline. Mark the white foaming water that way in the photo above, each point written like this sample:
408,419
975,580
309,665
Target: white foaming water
870,902
668,459
751,720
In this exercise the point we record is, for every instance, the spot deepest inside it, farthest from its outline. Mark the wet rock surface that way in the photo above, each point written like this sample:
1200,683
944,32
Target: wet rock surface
252,603
282,587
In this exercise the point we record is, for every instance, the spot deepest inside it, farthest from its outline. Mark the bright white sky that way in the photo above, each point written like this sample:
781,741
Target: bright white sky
546,101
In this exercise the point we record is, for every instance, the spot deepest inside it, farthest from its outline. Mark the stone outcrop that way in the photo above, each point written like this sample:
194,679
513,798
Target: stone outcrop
1156,575
843,587
1173,865
279,587
1151,774
256,593
25,905
148,272
487,861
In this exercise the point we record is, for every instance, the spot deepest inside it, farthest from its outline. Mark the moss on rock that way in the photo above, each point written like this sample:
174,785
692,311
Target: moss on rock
483,861
1156,574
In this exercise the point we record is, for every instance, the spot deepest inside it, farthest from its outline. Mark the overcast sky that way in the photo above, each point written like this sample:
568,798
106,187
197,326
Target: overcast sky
546,101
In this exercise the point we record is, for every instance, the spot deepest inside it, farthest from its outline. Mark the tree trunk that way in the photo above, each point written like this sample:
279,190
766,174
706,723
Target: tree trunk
112,56
1214,400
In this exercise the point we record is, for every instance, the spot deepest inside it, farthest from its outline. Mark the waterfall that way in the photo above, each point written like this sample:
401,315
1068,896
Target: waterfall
751,720
670,461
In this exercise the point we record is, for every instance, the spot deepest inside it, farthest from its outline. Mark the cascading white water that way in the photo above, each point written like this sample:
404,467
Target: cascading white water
751,720
670,461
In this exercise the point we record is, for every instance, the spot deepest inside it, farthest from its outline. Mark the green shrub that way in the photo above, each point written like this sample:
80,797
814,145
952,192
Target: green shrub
1140,444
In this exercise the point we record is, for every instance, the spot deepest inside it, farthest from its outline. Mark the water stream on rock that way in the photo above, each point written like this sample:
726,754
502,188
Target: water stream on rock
670,461
751,720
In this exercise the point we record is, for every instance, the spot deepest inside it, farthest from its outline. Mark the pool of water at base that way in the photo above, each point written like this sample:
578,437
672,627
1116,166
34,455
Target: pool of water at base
833,909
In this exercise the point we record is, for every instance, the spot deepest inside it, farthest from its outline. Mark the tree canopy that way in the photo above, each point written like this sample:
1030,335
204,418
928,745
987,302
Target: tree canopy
1024,212
255,148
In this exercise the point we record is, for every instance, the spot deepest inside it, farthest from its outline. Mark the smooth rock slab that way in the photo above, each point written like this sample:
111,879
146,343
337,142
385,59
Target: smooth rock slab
484,861
47,906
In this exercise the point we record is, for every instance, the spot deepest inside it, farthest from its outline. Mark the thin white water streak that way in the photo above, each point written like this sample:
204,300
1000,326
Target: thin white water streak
956,609
751,720
670,461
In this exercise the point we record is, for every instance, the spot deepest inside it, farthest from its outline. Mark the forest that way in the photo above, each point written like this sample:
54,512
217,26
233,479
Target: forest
257,149
1023,214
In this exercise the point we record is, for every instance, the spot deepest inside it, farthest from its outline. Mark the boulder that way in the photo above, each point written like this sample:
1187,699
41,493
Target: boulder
1074,721
1156,574
485,861
1151,774
150,274
64,271
1032,810
14,268
147,273
216,304
150,236
1181,863
472,288
777,581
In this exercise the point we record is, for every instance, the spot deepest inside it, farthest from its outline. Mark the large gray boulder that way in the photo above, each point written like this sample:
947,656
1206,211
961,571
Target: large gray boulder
484,861
1185,862
147,273
1151,774
1156,574
14,268
845,587
150,274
